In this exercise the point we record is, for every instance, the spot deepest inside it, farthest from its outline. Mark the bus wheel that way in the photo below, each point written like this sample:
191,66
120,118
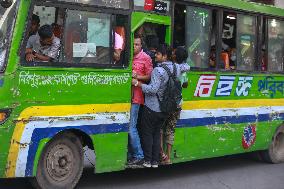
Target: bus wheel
275,152
61,163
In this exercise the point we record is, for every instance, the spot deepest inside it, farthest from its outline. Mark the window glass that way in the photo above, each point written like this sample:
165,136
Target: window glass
197,36
6,24
87,37
160,6
46,14
76,37
228,57
108,3
246,42
275,45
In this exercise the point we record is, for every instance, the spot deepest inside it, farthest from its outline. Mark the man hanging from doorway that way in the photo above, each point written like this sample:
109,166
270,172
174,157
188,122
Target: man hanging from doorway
142,68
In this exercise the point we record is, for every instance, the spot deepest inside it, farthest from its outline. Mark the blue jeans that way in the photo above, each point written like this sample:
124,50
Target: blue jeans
134,149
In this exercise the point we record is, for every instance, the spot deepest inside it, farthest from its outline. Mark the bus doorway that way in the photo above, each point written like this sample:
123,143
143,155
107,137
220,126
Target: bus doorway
152,35
148,32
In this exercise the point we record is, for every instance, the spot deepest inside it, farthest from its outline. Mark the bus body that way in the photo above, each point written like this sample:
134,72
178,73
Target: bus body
45,105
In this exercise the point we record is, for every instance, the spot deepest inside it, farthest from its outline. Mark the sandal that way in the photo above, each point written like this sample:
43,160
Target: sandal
164,157
166,162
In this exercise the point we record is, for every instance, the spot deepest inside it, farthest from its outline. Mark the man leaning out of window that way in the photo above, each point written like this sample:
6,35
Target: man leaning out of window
43,46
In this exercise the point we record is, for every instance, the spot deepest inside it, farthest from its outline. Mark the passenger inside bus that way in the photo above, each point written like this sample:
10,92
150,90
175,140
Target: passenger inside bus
35,25
233,58
224,59
43,46
119,40
228,54
152,44
87,37
57,30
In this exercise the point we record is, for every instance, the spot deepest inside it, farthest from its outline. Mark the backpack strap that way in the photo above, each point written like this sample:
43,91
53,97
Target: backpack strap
174,70
169,74
174,74
167,70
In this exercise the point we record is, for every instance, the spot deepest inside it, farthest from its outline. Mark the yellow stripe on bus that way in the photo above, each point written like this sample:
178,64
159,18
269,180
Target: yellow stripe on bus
65,110
218,104
60,110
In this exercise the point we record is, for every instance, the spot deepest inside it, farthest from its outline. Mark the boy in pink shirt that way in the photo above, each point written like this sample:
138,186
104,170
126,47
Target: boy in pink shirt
142,68
118,46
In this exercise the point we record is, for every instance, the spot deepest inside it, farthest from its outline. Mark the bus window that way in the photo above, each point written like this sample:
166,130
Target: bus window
238,41
107,3
44,45
86,38
246,42
197,32
228,54
51,16
196,28
275,45
46,14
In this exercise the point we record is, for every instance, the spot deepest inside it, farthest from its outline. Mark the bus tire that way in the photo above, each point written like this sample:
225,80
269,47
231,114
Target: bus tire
275,152
61,163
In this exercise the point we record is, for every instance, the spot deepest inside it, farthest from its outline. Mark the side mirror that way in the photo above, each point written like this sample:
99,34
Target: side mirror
6,3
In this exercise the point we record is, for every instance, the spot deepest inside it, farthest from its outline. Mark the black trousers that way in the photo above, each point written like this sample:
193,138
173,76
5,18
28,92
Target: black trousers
150,129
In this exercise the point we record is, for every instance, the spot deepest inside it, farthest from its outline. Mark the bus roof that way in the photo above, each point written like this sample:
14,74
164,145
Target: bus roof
247,6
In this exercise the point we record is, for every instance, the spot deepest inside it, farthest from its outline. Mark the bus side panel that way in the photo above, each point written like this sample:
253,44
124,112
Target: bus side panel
8,89
94,101
44,122
226,116
111,151
6,129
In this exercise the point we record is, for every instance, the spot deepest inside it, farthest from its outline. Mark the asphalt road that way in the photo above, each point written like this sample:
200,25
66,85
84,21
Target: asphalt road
234,172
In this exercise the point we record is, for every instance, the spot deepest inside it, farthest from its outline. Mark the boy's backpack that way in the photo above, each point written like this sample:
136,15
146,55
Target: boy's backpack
172,93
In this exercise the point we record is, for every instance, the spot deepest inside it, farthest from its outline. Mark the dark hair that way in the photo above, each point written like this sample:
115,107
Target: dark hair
152,41
36,18
181,54
164,49
136,36
45,32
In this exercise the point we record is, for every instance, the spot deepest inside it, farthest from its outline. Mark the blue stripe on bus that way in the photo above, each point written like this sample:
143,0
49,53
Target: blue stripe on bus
41,133
194,122
1,82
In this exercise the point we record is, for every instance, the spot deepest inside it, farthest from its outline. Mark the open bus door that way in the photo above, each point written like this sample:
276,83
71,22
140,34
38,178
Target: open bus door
159,25
153,24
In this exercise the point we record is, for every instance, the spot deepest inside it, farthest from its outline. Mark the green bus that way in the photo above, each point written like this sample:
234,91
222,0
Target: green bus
58,117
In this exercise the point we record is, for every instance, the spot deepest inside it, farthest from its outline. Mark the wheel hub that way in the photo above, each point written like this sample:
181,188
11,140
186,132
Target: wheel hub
60,162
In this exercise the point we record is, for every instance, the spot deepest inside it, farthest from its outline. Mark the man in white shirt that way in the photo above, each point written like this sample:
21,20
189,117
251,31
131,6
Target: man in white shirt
43,46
